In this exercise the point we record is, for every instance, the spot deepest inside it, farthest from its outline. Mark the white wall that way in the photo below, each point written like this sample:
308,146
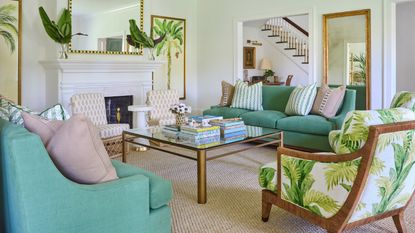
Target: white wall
37,46
217,25
405,46
282,66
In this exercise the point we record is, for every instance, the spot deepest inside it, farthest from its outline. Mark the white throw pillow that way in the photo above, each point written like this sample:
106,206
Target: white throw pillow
301,100
247,97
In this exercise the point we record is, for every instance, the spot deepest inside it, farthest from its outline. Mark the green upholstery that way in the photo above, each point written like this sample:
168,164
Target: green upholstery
266,118
310,132
309,141
311,124
160,189
226,112
37,198
275,97
360,95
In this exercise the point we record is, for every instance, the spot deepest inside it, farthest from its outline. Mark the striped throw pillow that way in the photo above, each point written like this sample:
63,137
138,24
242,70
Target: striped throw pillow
301,100
247,97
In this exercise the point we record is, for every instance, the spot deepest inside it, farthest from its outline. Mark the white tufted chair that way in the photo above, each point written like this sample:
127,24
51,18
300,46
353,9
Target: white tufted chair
161,100
92,105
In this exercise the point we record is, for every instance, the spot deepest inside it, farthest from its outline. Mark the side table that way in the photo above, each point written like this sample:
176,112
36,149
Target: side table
140,120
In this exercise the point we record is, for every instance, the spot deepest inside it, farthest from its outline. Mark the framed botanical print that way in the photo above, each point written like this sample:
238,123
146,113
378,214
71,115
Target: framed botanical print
10,52
172,49
249,57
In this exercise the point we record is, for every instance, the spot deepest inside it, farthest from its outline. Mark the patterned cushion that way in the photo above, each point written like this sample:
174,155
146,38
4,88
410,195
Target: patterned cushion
160,101
247,97
56,112
91,105
301,100
355,129
404,99
328,101
112,130
227,94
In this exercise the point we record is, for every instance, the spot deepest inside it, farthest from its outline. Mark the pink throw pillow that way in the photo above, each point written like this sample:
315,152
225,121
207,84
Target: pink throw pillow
75,147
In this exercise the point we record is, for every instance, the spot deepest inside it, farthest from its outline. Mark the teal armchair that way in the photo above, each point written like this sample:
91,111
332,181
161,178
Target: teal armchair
37,198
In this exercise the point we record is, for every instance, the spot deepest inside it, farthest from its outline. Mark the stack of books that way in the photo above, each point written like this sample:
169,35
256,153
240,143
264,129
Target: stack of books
204,120
231,130
200,136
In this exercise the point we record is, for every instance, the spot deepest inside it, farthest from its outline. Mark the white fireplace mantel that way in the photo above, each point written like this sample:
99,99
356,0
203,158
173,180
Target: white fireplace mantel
64,78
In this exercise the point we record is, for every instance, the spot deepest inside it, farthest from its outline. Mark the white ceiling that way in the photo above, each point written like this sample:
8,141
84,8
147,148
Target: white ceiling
87,7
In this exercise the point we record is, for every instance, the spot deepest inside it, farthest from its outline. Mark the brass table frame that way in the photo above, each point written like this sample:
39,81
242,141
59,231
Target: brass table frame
129,138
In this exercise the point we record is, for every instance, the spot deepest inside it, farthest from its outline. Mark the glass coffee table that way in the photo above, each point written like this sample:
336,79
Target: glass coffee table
259,136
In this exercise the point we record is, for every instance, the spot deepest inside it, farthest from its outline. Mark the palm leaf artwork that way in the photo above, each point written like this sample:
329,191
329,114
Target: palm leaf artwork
390,187
299,190
171,44
8,28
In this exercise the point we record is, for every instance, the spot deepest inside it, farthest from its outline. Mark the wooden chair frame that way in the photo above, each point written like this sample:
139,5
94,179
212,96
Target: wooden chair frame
340,221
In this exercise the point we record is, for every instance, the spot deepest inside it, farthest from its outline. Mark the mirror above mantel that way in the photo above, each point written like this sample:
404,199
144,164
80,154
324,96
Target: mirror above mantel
106,22
347,53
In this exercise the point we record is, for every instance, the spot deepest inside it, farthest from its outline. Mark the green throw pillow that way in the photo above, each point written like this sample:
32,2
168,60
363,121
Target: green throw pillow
56,112
301,100
247,97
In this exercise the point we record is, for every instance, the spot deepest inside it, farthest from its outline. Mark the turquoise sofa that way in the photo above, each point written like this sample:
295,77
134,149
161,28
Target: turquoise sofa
308,132
37,198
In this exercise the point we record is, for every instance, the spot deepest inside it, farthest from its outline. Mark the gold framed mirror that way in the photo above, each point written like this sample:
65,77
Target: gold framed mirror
347,50
106,22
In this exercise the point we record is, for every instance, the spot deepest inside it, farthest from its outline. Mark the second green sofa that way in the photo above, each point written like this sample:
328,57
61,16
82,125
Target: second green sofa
309,132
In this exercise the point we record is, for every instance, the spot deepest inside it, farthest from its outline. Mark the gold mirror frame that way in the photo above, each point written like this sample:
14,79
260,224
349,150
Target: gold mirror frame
365,13
110,52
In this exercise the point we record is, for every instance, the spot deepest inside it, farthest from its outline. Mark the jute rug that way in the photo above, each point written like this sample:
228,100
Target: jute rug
234,197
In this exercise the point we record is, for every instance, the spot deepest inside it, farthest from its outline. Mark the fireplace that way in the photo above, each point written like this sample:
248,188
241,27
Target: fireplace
117,109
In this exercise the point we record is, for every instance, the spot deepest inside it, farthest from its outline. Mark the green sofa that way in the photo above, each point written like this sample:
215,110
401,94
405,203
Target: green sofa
37,198
308,132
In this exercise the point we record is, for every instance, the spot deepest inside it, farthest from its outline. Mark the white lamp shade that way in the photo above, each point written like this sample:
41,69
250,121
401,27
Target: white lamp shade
266,64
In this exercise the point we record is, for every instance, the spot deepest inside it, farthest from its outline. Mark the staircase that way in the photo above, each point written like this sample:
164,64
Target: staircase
290,38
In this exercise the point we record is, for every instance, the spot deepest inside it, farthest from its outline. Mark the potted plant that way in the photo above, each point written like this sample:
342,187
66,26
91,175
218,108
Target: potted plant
60,32
140,39
180,110
268,73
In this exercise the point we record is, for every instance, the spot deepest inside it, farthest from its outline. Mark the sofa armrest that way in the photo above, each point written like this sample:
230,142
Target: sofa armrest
349,104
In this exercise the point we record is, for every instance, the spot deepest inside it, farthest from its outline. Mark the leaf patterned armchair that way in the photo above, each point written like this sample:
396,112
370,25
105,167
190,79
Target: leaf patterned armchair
371,176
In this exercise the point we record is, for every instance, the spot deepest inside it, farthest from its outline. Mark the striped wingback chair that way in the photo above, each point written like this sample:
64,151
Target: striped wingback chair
92,105
161,101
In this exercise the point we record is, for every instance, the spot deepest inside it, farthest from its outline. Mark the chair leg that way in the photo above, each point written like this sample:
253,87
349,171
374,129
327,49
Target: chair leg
400,222
266,210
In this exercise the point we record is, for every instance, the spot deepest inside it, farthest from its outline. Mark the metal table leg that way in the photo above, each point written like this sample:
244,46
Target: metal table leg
201,177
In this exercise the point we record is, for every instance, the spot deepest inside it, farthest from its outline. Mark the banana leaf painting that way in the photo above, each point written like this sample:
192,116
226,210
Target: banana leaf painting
173,50
10,49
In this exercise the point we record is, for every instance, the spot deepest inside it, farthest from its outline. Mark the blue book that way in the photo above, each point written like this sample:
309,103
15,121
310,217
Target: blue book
231,130
235,134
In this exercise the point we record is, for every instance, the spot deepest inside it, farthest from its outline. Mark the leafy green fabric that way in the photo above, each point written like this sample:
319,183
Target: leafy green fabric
404,99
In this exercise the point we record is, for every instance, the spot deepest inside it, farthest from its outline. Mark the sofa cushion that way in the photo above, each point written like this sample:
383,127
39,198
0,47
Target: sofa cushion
112,130
268,176
227,94
78,152
276,97
247,97
226,112
266,118
310,124
301,100
160,189
43,128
